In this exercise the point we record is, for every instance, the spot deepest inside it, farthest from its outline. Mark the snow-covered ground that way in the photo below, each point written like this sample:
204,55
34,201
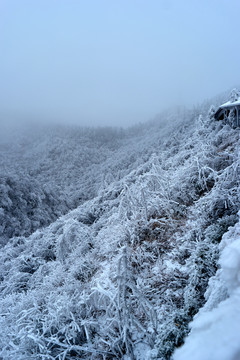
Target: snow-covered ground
215,330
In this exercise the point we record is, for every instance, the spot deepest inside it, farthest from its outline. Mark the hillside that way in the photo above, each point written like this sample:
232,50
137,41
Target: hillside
110,238
55,169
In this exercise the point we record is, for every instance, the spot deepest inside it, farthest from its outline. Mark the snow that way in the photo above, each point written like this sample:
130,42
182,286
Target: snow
230,103
215,332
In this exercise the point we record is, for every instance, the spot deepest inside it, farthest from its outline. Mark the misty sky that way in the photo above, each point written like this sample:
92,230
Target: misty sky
114,62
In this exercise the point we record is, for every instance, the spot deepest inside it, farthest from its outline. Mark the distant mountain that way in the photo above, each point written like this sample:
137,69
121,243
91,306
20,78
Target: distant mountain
111,236
47,171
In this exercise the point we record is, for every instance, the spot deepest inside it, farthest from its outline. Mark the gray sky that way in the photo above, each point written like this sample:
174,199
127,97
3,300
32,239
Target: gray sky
114,62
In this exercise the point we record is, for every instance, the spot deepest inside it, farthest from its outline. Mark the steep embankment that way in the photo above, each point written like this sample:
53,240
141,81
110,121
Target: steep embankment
215,329
122,275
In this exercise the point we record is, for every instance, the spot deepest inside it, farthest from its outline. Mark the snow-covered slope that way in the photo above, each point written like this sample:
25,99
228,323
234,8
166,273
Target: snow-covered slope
55,169
215,329
123,274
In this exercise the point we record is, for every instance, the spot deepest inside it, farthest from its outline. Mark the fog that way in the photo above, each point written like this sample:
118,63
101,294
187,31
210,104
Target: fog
113,62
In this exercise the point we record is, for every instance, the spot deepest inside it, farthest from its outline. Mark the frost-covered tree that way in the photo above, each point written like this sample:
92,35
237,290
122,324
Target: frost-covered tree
234,95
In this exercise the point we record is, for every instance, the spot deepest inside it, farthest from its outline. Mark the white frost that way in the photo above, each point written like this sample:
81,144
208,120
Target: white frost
215,332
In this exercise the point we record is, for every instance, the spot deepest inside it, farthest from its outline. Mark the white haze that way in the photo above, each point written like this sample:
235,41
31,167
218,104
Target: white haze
113,63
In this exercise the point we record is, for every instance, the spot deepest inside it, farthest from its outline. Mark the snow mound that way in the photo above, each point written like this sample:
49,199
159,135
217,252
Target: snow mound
215,329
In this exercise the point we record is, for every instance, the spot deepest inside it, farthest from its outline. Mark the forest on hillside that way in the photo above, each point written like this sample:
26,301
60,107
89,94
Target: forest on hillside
113,239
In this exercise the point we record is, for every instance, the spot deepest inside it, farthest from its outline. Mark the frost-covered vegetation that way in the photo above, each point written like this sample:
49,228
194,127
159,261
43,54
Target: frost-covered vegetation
215,329
124,271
